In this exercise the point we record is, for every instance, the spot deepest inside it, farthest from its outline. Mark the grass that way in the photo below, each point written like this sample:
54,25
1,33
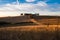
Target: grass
35,32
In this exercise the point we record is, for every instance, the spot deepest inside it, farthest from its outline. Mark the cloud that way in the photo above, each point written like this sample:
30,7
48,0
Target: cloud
30,0
40,7
23,7
41,3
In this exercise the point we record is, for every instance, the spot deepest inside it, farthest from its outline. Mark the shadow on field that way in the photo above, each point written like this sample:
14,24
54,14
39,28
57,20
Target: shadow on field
6,24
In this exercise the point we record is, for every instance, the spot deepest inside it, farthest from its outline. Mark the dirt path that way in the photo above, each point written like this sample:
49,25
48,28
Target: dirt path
34,21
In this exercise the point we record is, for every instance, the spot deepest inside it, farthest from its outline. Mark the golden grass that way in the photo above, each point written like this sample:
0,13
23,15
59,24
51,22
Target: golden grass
30,28
35,32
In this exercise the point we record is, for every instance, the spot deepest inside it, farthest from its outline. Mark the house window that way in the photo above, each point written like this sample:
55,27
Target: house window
22,14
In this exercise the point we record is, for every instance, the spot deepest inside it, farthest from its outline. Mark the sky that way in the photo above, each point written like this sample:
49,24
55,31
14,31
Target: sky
16,7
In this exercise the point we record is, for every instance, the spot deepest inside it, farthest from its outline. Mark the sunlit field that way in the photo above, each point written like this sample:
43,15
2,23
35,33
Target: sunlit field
36,29
30,32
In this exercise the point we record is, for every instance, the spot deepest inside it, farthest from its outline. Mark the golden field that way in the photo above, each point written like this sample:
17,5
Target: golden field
30,32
